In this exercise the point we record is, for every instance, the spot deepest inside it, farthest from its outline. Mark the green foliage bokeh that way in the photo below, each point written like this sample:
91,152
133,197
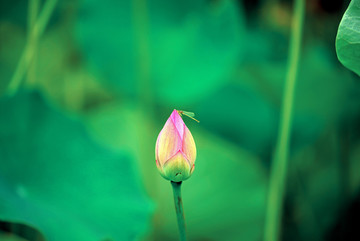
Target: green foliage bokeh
77,140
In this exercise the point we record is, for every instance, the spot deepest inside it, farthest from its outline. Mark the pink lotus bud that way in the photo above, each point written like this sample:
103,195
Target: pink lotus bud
175,150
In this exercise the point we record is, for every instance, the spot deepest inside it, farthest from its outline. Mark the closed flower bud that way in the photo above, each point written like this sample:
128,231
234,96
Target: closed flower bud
175,150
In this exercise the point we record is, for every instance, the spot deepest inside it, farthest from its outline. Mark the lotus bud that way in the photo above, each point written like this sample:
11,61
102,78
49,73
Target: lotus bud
175,150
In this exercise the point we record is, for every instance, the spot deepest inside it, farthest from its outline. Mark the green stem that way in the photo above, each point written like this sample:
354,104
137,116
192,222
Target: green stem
279,164
141,38
179,209
145,103
33,10
25,59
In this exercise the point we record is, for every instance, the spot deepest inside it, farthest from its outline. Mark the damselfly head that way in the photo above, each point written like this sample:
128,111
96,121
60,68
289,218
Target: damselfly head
188,114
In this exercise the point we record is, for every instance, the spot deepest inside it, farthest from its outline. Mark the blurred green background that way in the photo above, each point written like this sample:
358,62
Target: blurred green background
78,131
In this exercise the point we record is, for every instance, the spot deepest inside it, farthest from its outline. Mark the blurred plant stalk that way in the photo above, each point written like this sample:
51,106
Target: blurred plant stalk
33,12
279,163
145,103
37,29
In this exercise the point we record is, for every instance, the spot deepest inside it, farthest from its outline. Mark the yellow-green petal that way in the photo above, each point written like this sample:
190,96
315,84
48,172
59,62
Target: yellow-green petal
177,169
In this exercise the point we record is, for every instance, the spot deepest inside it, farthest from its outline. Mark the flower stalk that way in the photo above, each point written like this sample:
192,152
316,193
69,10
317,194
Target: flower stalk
179,209
278,171
29,51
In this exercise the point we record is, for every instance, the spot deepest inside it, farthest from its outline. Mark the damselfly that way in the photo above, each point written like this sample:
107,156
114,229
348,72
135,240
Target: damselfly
188,114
